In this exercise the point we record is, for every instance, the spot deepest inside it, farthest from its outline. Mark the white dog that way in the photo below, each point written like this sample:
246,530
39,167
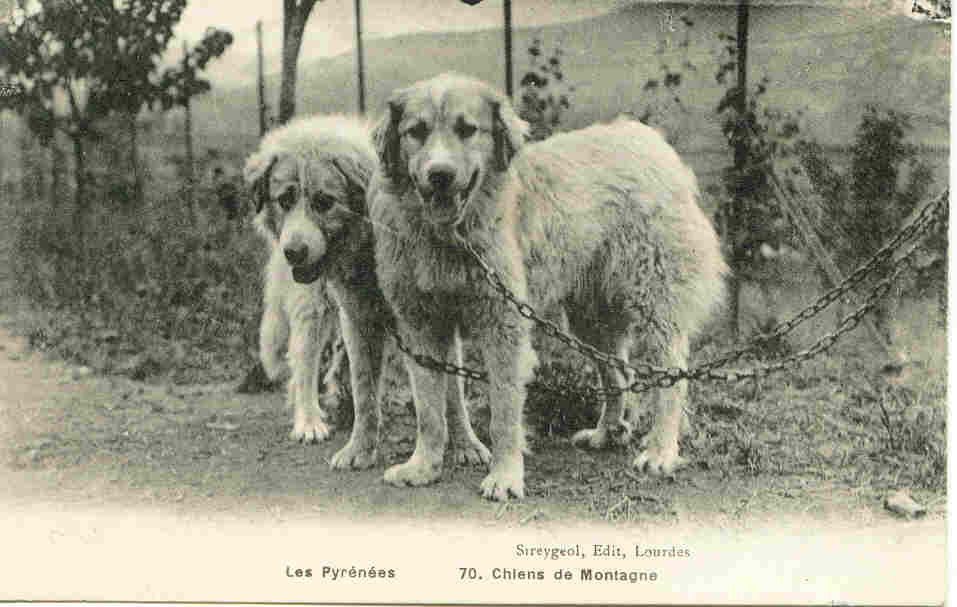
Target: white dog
298,320
603,222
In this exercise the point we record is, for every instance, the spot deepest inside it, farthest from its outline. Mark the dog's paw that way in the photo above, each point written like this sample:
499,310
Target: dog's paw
416,472
603,437
658,461
503,482
310,431
470,451
354,457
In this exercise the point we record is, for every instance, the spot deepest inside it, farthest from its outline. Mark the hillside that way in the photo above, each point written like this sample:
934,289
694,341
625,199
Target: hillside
827,61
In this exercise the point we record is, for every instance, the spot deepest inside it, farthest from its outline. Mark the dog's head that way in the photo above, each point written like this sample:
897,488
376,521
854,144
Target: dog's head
309,180
444,138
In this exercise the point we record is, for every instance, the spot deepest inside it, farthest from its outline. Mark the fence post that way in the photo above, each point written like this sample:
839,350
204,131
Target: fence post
359,59
508,48
740,166
261,83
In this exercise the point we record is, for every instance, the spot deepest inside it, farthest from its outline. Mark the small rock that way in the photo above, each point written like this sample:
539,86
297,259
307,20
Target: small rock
901,503
81,372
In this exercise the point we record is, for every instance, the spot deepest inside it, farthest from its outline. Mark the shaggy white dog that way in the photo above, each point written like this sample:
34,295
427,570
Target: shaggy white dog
297,320
315,173
603,222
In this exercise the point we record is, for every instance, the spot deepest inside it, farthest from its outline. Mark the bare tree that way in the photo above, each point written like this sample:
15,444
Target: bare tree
295,14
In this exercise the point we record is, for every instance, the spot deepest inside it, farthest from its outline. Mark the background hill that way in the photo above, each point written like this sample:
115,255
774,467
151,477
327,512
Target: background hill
827,61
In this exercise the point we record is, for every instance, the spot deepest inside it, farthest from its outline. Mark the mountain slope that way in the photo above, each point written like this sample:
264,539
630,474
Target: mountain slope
827,61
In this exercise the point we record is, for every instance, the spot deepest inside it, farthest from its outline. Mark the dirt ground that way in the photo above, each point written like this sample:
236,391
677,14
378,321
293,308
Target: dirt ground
69,435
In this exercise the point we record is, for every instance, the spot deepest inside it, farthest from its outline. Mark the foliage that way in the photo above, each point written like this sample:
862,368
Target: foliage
158,292
178,84
766,136
76,63
556,404
544,92
663,105
876,195
102,56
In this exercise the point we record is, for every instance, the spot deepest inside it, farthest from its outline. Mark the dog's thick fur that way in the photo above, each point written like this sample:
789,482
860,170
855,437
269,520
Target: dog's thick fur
602,221
316,172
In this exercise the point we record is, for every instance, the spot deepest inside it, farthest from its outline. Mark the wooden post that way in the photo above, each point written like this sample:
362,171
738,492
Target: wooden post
260,78
800,221
359,61
508,48
735,217
189,136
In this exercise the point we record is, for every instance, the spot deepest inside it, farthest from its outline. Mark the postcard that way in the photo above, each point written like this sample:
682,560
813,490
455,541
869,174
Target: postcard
478,301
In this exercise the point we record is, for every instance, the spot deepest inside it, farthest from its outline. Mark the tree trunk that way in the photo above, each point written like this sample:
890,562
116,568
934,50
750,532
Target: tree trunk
295,15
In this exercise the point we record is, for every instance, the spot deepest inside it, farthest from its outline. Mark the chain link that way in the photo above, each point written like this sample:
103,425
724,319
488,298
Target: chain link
651,376
917,228
435,364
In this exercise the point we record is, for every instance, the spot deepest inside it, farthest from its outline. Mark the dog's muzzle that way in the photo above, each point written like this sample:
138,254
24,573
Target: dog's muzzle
297,257
445,202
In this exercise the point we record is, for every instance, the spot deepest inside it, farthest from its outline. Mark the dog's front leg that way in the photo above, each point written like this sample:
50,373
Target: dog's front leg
429,394
364,338
304,354
466,448
510,361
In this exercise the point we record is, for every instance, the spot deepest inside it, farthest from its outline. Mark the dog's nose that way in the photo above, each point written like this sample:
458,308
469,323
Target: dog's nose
441,177
296,254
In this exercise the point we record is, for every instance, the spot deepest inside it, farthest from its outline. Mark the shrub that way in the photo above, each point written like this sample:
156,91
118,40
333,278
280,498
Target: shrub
544,92
149,287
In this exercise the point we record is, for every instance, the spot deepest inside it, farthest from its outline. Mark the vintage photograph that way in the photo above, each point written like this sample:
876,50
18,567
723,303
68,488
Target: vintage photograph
474,301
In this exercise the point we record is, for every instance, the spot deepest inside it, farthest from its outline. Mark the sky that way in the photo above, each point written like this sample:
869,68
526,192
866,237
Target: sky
331,27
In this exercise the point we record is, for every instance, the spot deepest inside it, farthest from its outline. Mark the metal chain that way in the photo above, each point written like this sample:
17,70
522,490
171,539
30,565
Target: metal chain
435,364
649,376
652,376
917,228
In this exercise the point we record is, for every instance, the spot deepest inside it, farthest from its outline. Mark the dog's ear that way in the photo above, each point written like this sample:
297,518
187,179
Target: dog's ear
357,171
509,132
257,173
267,222
385,136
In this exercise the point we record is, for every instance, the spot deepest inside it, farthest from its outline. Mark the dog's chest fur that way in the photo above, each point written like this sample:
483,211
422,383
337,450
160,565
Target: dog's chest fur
427,276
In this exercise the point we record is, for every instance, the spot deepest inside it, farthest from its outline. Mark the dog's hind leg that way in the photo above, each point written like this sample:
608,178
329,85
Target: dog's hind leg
429,393
364,339
659,456
305,350
465,447
616,422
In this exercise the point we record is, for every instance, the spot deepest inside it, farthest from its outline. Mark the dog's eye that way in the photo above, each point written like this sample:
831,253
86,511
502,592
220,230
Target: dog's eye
322,202
420,131
464,129
287,200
